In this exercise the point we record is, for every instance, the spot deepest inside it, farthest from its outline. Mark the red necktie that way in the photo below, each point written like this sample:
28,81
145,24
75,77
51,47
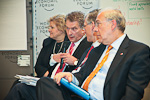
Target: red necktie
85,57
93,73
71,48
63,66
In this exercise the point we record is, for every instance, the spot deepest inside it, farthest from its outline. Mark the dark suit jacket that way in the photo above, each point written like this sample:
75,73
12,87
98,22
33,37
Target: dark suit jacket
128,74
42,63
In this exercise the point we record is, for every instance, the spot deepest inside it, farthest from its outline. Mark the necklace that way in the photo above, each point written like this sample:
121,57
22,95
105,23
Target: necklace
59,48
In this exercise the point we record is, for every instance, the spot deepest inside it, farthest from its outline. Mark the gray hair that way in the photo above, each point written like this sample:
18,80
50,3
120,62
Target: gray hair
115,14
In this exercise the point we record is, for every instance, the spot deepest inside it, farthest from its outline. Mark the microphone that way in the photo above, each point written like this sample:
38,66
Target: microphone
64,50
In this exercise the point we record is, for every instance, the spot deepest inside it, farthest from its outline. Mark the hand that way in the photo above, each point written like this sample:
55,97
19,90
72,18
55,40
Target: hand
56,57
46,74
67,58
66,75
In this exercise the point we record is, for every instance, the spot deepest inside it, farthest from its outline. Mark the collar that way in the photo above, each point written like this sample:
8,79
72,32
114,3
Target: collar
116,44
96,44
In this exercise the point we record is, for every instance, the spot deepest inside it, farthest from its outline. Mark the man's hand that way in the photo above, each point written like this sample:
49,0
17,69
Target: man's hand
66,75
46,74
56,57
67,58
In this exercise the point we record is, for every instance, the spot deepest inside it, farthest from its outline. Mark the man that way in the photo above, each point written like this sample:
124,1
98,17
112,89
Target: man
120,74
75,33
89,24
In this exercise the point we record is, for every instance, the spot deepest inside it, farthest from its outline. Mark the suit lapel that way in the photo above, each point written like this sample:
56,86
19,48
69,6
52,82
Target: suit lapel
77,51
118,58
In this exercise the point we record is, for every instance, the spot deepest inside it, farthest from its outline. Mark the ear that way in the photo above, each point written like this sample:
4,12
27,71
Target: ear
114,24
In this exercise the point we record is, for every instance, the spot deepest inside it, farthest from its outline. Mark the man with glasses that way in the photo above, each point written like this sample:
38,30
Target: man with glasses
89,24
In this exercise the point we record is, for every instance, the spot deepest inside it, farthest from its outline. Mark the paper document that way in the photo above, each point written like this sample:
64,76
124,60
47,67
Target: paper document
29,80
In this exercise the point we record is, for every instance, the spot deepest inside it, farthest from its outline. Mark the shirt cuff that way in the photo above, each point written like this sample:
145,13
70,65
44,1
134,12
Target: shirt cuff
52,61
75,62
74,80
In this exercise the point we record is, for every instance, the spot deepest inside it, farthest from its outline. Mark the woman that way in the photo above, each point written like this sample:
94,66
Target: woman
52,45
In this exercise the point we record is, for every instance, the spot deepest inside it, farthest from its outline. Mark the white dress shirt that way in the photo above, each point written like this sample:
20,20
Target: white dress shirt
96,44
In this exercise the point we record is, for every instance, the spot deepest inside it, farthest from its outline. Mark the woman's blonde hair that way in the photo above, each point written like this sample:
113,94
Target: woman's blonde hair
59,21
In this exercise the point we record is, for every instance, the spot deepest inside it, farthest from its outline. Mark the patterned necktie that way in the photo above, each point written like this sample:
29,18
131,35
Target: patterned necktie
93,73
63,66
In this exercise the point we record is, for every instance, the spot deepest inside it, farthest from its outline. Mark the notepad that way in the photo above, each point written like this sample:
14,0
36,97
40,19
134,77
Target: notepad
76,89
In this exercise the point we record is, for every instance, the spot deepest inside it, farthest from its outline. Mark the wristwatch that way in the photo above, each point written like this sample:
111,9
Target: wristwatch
75,62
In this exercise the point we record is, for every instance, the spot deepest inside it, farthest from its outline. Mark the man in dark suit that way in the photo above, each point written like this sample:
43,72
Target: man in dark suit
89,24
119,69
75,33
